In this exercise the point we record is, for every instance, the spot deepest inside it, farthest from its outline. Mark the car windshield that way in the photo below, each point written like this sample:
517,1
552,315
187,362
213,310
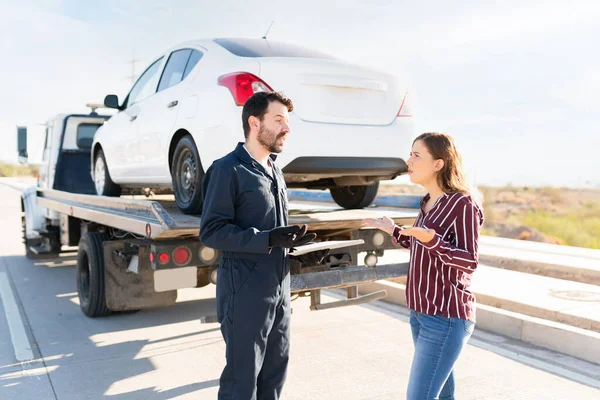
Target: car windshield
254,48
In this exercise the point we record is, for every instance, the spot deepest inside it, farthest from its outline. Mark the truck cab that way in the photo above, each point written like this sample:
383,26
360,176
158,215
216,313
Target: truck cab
65,166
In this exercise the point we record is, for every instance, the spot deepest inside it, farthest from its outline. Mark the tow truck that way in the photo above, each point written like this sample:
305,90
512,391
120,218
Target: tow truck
135,251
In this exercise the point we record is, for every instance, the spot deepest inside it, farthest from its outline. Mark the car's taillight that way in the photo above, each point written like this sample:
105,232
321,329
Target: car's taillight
405,110
242,85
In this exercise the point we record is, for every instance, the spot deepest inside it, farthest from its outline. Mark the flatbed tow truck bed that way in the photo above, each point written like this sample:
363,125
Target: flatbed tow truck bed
137,230
164,220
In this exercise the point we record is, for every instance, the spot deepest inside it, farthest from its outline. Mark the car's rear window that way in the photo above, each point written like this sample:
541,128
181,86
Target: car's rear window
267,48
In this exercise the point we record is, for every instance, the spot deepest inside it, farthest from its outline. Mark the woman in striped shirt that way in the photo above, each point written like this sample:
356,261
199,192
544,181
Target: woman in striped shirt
443,245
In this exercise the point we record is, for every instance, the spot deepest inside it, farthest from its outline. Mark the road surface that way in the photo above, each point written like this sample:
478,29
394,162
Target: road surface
359,352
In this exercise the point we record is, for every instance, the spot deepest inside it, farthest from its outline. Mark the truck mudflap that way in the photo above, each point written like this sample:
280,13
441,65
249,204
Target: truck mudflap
310,284
125,290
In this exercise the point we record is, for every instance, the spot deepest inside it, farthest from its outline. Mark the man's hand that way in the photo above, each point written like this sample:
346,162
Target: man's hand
312,258
290,236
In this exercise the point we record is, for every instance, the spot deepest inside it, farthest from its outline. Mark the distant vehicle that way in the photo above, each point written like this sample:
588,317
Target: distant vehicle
350,124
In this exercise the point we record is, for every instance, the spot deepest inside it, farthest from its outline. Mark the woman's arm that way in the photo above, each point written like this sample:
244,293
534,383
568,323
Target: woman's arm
387,225
399,238
465,254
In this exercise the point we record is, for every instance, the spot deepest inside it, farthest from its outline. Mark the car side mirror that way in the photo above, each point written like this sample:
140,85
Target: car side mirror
22,144
112,101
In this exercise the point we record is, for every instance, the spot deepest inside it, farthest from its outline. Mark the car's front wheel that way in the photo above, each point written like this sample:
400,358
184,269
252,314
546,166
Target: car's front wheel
186,175
353,197
102,181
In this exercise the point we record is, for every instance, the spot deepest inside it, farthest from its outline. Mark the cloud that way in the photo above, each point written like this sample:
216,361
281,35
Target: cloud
517,21
579,92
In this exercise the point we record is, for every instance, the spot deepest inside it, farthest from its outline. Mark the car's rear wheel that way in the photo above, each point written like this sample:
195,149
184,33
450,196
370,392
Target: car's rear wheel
186,175
352,197
102,180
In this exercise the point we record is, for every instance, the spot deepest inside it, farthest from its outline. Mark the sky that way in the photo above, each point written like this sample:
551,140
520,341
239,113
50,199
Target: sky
515,83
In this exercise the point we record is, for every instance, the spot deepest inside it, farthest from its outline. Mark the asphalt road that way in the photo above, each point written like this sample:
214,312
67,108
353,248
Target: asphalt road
50,350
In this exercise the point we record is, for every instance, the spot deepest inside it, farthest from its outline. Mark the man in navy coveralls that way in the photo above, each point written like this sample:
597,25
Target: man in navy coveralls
245,215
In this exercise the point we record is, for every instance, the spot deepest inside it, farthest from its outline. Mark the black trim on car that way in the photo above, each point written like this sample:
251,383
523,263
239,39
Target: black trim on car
347,166
259,48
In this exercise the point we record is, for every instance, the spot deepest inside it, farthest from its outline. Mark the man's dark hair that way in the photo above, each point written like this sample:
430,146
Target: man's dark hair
258,104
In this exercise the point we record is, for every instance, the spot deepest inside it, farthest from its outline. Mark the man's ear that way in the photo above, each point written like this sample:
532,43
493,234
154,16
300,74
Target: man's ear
254,122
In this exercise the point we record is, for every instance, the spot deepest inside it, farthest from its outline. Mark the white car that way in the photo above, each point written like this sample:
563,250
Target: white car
350,127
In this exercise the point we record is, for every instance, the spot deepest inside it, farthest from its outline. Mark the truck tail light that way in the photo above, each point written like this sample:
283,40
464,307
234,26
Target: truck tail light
405,110
164,258
243,85
207,255
213,276
181,255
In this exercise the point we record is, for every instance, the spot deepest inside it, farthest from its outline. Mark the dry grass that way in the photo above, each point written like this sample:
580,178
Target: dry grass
578,226
546,214
14,170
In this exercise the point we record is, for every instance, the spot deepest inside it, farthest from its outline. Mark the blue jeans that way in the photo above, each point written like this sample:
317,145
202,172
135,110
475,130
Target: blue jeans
438,342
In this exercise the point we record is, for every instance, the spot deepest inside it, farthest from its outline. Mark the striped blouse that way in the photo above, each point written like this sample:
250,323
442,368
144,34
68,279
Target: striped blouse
440,270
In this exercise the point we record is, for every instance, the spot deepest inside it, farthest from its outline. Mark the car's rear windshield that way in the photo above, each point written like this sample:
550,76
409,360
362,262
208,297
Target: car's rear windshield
267,48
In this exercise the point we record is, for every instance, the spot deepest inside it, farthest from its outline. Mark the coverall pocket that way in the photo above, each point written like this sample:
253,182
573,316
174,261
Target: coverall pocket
241,270
225,309
224,291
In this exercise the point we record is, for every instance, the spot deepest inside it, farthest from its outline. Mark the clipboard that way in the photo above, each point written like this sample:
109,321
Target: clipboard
331,244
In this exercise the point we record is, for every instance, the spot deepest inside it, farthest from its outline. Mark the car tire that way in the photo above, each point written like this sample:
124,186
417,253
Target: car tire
353,197
102,180
186,175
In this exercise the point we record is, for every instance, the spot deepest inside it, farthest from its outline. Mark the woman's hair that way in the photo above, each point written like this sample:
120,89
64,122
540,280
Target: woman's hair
451,178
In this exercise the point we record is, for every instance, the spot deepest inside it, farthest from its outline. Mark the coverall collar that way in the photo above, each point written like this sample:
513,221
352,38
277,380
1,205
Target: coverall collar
245,157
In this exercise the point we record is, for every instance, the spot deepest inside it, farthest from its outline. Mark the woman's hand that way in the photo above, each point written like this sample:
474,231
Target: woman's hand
422,234
386,224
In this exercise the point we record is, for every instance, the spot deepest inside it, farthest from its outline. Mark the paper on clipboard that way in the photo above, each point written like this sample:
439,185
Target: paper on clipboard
331,244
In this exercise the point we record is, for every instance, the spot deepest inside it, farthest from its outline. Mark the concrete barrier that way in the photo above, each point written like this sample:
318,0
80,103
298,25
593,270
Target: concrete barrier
554,269
564,339
561,262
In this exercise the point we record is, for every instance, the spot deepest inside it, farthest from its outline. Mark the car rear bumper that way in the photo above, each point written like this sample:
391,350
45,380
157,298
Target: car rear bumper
340,166
339,171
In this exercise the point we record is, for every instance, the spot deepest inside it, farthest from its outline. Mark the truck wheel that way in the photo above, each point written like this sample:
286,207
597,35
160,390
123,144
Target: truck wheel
187,174
90,275
352,197
102,181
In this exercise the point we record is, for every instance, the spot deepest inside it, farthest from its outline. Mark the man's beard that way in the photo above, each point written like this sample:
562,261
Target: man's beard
268,139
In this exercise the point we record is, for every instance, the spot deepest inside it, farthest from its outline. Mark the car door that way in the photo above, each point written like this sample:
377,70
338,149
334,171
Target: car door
157,121
126,134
